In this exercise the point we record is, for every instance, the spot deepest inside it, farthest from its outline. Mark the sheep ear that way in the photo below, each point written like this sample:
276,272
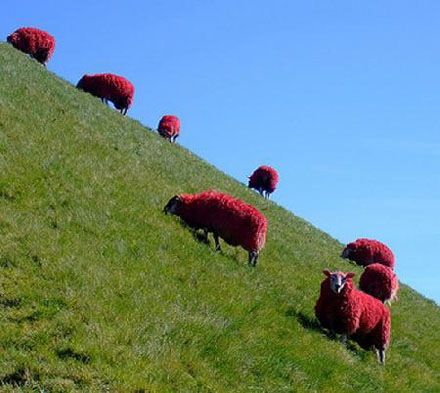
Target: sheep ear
327,272
350,275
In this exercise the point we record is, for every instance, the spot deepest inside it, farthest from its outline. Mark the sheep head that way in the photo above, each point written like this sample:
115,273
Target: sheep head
346,252
173,205
338,280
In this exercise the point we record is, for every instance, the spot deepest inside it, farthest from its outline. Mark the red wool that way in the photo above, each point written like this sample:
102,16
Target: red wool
109,87
354,313
238,223
169,127
380,282
367,251
264,179
37,43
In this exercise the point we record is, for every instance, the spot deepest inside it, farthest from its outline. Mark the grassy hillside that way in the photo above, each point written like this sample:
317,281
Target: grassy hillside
100,291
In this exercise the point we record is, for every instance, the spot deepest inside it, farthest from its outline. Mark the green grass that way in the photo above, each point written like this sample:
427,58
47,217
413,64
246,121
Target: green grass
100,291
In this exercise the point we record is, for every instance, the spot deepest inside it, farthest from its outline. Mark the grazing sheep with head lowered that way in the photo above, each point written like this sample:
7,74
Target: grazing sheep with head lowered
35,42
236,222
380,282
264,179
109,87
345,310
169,127
364,252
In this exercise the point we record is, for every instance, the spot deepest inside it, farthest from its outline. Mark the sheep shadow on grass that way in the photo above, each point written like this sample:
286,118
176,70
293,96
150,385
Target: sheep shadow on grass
200,237
197,234
307,322
311,323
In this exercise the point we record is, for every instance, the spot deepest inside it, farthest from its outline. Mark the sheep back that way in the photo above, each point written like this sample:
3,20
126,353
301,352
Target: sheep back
35,42
114,88
367,251
233,220
169,126
264,177
379,281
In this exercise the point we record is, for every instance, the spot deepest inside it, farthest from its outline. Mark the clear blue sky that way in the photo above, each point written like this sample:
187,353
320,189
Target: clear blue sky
342,97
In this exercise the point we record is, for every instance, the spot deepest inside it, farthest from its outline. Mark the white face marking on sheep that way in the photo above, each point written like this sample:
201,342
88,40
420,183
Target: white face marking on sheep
337,282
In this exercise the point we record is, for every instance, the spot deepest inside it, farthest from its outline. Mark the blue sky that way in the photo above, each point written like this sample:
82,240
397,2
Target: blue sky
341,97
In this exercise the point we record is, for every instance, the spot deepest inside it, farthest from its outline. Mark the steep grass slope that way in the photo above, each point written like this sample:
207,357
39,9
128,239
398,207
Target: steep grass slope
100,291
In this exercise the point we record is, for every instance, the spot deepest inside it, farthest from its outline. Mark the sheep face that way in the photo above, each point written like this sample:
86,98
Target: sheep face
80,84
83,83
346,253
14,39
338,280
173,205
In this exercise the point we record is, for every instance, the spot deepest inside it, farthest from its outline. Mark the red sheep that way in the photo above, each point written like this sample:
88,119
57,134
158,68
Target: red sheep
169,127
37,43
380,282
367,251
109,87
238,223
345,310
264,180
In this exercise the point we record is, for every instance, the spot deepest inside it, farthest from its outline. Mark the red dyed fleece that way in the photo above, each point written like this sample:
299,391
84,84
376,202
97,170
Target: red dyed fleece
236,222
35,42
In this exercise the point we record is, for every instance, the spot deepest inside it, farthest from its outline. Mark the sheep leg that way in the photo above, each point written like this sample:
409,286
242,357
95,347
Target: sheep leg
200,237
217,242
260,190
174,138
381,356
253,258
205,233
344,339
